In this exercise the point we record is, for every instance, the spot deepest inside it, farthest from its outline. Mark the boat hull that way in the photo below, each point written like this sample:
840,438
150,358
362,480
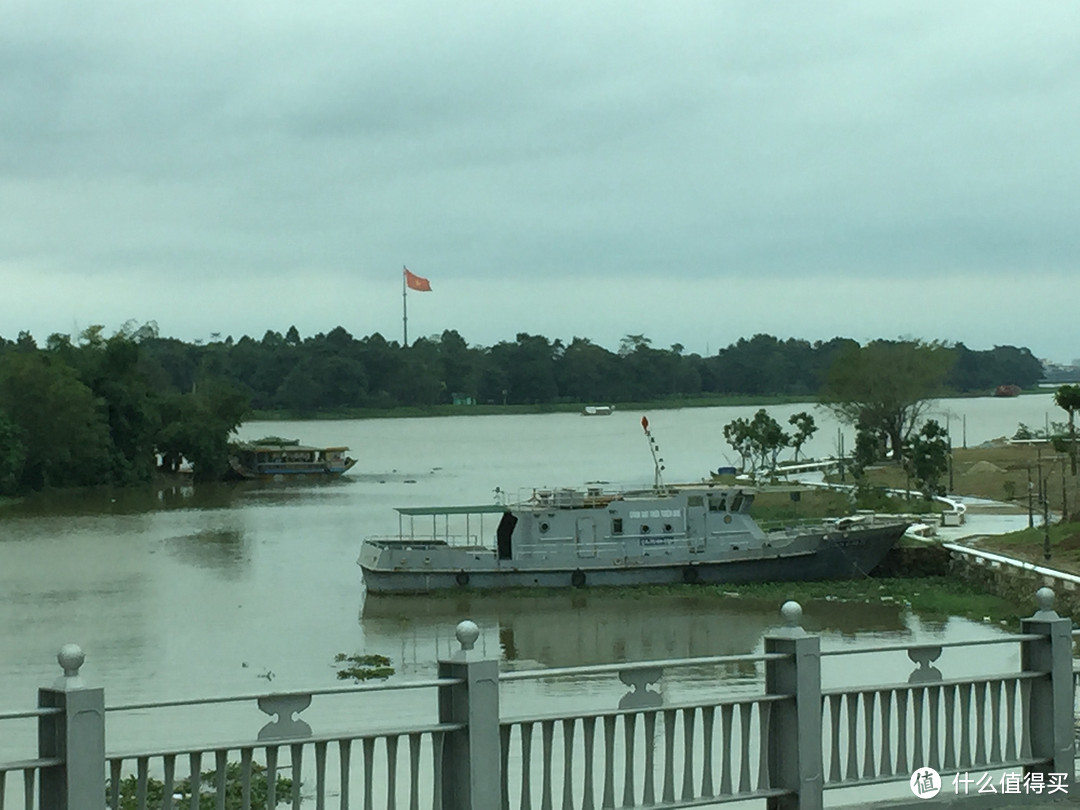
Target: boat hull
286,472
821,556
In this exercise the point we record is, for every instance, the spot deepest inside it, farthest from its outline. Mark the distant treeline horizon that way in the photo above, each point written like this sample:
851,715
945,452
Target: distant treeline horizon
336,371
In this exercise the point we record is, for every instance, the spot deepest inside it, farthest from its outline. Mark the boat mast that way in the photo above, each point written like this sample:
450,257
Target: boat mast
658,463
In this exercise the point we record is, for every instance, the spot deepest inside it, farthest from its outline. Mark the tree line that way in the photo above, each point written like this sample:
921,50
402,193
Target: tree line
336,371
97,409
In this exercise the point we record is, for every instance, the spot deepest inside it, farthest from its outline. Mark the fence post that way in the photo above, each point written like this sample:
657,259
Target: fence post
1051,707
471,762
795,757
76,736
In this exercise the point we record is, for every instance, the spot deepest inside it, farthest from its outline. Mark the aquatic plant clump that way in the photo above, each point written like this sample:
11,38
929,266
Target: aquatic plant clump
363,667
181,790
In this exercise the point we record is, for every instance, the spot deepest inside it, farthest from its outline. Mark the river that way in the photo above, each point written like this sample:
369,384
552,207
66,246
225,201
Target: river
231,589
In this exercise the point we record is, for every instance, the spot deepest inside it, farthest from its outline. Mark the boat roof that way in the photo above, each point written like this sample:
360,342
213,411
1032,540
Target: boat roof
290,446
483,509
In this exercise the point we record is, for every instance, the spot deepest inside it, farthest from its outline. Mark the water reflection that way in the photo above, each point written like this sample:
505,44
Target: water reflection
180,493
581,628
222,551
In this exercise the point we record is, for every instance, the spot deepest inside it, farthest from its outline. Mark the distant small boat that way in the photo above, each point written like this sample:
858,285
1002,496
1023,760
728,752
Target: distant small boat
1007,391
275,458
598,410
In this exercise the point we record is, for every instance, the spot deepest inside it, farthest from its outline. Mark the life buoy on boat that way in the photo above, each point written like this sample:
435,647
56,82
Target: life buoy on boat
577,579
690,575
462,578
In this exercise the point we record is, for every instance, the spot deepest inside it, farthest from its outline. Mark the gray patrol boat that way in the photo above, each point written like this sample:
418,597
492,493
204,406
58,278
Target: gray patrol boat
583,537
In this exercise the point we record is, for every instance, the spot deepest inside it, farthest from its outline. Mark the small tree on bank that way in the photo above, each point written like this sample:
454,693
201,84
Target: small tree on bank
804,429
758,441
927,458
1067,397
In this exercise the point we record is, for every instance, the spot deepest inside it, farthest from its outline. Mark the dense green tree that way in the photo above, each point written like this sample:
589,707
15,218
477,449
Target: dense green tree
524,370
62,424
460,365
927,458
110,367
196,425
870,448
887,386
984,371
380,358
12,455
416,382
586,372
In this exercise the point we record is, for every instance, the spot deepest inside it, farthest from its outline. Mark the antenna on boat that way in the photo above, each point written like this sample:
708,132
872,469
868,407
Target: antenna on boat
658,463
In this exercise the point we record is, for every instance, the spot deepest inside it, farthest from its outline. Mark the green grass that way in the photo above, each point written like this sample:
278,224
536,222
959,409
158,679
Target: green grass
1029,544
931,597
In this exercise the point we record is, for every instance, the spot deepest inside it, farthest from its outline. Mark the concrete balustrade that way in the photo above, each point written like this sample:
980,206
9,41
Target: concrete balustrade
786,745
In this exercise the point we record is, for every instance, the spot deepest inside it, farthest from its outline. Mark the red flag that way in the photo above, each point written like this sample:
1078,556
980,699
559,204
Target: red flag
416,282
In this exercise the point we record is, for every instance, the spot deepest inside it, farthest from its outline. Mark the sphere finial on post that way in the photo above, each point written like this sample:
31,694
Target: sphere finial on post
71,658
1044,604
467,633
791,612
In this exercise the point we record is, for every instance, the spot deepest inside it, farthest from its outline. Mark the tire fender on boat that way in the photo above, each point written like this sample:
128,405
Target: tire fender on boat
690,575
462,578
577,579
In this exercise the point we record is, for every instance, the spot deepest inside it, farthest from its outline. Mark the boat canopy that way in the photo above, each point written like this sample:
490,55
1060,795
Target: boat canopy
485,509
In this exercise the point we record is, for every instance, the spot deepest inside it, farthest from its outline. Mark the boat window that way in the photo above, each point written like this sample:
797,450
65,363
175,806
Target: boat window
747,501
718,505
543,528
644,528
695,500
736,502
667,528
616,525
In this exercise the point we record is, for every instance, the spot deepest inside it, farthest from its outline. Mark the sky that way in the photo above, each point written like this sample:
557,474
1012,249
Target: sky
694,171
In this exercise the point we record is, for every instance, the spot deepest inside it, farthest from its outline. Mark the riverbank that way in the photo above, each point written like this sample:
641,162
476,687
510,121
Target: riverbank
406,412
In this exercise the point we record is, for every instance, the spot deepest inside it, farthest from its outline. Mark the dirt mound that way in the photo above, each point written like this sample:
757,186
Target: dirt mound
1069,543
983,468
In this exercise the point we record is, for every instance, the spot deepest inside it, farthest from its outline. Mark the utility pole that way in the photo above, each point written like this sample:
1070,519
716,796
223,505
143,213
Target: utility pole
840,447
1031,510
1046,529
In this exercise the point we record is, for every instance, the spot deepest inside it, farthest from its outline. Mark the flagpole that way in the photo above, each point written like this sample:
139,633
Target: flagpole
404,311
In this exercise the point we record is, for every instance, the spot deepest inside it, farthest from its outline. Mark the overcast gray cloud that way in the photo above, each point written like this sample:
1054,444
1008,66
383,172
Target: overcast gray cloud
696,171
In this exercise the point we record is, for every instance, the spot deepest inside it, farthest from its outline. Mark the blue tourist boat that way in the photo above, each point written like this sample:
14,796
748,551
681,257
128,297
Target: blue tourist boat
273,458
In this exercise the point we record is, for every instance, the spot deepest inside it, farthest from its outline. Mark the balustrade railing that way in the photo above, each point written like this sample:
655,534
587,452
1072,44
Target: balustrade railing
784,739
